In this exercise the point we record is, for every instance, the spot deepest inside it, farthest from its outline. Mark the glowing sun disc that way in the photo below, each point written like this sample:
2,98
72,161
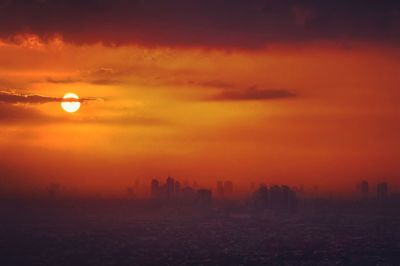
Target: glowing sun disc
70,106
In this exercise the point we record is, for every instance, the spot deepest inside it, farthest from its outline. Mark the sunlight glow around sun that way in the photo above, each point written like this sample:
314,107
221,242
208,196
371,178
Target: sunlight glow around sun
70,106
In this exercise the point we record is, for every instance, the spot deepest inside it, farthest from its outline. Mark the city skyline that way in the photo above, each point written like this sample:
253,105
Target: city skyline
250,92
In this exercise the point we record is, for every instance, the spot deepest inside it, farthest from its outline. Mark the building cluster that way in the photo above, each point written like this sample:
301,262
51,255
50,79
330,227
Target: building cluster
224,189
382,190
277,198
174,190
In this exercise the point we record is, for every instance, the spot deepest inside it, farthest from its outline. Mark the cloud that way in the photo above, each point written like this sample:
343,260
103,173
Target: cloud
14,98
127,120
98,76
250,94
11,114
62,81
222,23
105,81
26,115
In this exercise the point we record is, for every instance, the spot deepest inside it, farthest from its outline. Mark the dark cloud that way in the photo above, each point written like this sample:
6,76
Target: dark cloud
212,23
13,98
104,81
252,93
11,114
26,115
62,81
99,76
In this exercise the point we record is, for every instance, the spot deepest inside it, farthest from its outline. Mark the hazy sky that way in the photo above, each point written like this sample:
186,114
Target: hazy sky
265,91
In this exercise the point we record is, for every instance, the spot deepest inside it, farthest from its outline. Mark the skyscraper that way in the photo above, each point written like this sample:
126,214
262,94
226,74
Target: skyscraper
155,188
260,197
228,188
220,189
170,187
177,188
204,196
382,190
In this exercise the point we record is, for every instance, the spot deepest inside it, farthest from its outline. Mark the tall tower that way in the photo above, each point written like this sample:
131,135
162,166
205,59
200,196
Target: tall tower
228,188
170,187
155,188
220,189
177,188
382,190
363,189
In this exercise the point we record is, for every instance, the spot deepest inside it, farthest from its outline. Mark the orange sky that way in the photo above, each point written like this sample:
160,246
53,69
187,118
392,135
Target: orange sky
322,113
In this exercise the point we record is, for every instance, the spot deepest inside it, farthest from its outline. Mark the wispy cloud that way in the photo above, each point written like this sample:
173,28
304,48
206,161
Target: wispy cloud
15,98
63,81
252,93
27,115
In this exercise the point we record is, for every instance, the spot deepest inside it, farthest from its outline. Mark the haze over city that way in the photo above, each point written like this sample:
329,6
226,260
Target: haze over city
212,132
254,92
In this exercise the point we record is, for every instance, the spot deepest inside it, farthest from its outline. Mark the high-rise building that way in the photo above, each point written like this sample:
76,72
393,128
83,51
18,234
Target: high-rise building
204,196
382,190
155,188
275,197
286,196
260,197
188,194
228,187
282,198
170,187
220,189
177,188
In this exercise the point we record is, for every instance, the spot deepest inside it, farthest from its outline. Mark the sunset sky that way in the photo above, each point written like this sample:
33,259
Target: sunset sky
297,92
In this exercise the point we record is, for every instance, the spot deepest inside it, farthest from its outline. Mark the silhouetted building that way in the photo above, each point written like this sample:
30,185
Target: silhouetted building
260,197
228,187
177,188
382,190
188,194
282,198
170,187
220,189
171,190
204,196
289,198
275,196
155,188
286,196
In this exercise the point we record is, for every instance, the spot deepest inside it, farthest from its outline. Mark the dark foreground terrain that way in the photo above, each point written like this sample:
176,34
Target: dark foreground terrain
139,233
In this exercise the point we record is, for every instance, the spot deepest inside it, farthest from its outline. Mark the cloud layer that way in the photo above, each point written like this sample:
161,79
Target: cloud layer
14,98
221,23
252,93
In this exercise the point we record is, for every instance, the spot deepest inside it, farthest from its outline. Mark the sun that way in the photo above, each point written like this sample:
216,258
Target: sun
70,102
